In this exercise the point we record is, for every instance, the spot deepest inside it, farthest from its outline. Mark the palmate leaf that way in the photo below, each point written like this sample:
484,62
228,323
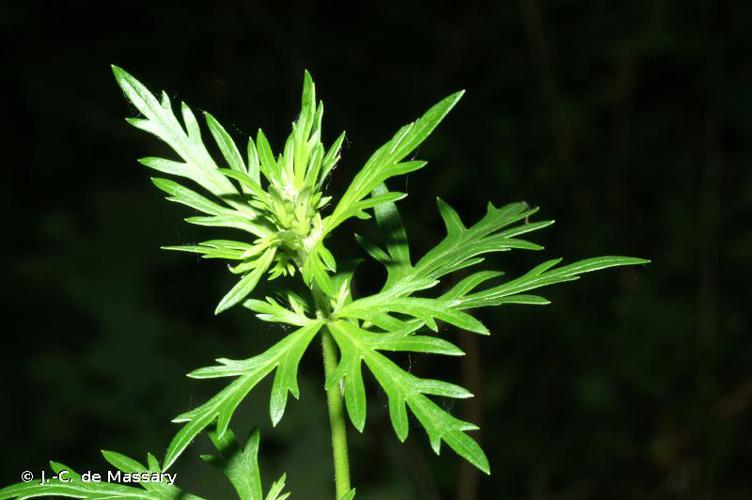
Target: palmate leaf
241,467
69,483
284,356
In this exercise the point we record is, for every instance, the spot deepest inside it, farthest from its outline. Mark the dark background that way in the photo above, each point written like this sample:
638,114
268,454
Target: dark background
628,122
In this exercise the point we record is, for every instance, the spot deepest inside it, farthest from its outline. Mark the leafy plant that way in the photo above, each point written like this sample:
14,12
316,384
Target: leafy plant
277,203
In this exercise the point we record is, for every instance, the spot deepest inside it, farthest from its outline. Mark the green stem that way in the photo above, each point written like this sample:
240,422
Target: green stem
333,400
336,418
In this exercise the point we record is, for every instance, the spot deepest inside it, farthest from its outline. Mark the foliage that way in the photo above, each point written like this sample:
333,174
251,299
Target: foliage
279,206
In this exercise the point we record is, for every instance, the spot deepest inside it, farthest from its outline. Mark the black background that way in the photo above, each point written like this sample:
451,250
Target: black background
627,122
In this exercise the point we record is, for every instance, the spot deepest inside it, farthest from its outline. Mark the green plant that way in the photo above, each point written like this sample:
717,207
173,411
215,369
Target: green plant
278,203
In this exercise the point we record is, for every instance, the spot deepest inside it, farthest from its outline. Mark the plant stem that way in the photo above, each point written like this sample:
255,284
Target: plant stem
333,400
336,418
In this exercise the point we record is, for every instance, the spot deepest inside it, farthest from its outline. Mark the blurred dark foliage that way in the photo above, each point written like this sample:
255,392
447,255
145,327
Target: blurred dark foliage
625,121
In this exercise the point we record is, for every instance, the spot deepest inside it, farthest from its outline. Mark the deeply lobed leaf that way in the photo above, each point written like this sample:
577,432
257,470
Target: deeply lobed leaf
403,389
284,356
386,162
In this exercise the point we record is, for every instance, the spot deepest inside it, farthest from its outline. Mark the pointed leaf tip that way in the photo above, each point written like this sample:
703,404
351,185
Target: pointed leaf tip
456,96
120,73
